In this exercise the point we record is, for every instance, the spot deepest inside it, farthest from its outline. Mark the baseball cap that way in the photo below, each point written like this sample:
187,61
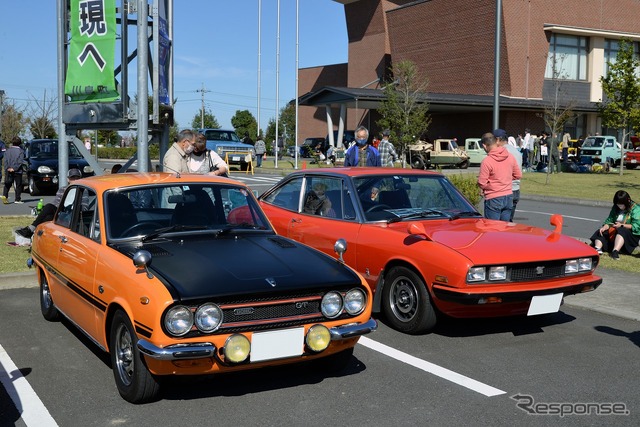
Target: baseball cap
386,132
74,173
500,133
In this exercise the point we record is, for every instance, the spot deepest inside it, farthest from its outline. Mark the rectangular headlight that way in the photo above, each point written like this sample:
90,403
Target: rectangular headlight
476,274
585,264
571,266
498,272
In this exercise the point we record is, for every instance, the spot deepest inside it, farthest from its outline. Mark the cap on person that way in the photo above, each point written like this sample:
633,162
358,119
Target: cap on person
74,173
500,133
386,132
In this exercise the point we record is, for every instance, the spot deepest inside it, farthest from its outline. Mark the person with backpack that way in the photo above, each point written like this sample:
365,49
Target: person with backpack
205,162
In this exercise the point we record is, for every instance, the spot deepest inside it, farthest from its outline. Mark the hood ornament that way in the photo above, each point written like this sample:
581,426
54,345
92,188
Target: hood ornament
271,281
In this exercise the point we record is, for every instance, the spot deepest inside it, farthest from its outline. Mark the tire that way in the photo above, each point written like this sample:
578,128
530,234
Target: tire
464,165
33,188
134,381
417,163
47,307
336,362
406,302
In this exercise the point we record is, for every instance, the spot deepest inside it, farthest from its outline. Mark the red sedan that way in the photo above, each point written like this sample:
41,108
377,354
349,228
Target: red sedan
425,250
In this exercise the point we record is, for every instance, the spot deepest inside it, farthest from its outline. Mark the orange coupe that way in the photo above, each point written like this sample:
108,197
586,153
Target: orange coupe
425,250
184,275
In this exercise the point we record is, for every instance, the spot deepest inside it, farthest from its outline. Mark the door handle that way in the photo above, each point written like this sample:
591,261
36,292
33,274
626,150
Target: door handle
63,239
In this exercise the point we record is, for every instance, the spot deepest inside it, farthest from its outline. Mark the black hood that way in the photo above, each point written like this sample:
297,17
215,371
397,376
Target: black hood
204,267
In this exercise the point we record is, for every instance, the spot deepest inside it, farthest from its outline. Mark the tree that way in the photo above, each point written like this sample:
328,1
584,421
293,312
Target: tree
286,124
404,110
42,116
559,109
620,108
210,121
13,123
244,122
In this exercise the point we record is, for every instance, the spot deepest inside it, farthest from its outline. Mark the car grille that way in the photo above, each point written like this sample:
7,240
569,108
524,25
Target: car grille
537,271
270,313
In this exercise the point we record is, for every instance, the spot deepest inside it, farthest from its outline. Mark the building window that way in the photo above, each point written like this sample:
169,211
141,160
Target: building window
567,59
611,49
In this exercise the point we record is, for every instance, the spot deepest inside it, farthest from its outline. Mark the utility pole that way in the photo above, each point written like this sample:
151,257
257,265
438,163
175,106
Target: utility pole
1,109
202,91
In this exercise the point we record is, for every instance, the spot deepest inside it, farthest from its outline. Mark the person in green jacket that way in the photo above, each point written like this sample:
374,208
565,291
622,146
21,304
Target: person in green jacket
621,229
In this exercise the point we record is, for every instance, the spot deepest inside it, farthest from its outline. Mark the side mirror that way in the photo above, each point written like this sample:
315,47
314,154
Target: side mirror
557,221
340,247
142,261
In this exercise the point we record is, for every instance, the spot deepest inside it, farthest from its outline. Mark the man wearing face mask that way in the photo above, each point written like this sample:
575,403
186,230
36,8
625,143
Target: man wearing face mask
361,153
176,159
621,229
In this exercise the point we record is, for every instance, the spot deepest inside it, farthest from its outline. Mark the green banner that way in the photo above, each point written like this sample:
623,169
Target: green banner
91,51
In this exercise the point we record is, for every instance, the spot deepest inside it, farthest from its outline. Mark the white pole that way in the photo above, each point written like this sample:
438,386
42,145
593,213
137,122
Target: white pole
277,84
295,136
259,58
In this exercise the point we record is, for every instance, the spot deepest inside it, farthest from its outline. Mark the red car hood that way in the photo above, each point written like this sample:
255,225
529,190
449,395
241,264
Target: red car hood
486,241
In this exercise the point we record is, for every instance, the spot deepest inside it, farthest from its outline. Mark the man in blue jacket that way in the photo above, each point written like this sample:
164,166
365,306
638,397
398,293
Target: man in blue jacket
361,153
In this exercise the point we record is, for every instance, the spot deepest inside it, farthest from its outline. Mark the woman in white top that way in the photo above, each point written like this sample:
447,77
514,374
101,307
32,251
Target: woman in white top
205,162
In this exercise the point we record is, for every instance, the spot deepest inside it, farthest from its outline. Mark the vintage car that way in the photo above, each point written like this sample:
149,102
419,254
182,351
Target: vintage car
601,149
441,152
229,147
184,275
40,170
632,157
425,250
474,150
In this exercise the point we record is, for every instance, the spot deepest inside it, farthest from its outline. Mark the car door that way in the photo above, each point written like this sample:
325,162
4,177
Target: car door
78,252
319,230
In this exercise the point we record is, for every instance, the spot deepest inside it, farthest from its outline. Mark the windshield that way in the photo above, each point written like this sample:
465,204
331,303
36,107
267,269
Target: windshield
221,135
398,197
593,142
49,150
151,211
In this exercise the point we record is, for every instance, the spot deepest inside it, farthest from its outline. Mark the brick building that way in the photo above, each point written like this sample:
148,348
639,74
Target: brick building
452,41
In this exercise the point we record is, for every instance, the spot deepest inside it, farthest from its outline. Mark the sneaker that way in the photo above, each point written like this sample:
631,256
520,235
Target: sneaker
4,200
615,255
25,232
599,250
19,202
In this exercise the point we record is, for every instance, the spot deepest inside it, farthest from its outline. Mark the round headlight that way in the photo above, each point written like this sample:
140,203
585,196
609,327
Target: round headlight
44,169
237,348
208,318
354,302
178,320
318,338
87,169
331,305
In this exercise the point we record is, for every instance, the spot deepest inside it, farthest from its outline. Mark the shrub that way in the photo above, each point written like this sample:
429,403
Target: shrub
468,185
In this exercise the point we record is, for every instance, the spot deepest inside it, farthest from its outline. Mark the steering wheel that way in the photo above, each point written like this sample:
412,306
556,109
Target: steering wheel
141,225
379,207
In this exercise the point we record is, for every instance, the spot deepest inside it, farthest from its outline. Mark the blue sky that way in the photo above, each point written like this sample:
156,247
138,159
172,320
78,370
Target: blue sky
215,44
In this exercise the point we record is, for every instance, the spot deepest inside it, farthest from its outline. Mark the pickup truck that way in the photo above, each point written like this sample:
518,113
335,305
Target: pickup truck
600,149
475,150
441,152
229,146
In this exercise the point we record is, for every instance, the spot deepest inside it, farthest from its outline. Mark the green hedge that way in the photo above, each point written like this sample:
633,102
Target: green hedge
467,183
126,152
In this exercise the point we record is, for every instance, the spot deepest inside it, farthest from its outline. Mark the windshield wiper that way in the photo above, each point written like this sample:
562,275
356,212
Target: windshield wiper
464,213
242,226
422,214
172,228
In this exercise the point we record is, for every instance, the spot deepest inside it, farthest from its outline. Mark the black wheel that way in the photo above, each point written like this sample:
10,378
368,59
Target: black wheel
33,188
336,362
417,163
406,302
134,381
464,165
47,307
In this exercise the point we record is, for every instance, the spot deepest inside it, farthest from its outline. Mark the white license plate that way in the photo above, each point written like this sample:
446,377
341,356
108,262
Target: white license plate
277,344
634,161
543,304
235,158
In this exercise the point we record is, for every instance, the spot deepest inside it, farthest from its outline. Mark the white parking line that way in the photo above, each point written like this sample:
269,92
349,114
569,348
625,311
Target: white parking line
31,409
564,216
439,371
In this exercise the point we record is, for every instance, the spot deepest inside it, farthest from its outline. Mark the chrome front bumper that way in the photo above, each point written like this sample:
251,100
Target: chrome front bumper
353,330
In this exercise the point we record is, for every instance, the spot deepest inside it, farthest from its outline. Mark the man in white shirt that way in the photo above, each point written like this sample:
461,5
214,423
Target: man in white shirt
527,149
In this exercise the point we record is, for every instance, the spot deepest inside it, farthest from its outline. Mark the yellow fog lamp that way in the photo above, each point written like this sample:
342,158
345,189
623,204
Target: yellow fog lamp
318,338
237,348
